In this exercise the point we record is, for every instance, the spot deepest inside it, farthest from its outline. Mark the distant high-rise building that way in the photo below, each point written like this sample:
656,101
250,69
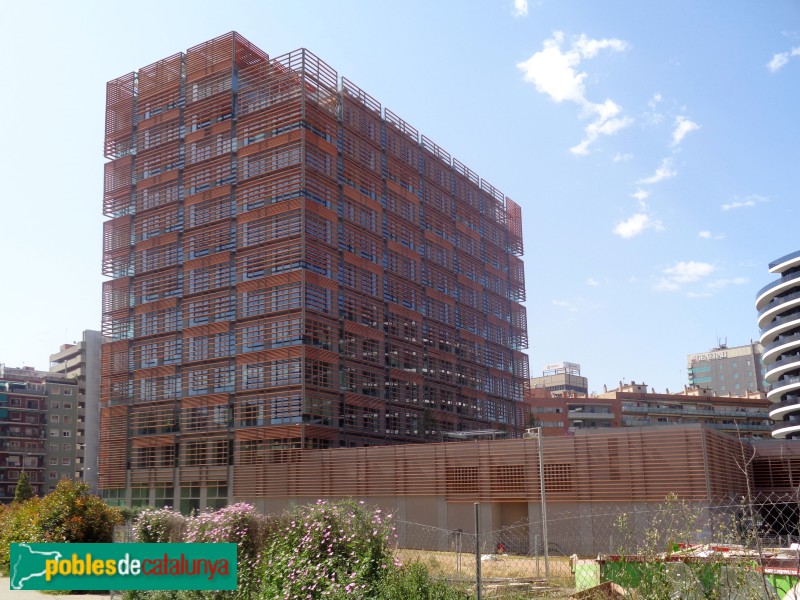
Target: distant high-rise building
81,362
562,379
292,267
778,305
732,371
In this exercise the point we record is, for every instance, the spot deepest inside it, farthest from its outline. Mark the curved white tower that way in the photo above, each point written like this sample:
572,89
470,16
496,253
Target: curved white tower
778,306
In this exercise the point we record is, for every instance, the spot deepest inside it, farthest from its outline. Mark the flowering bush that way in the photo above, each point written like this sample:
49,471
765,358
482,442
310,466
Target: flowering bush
159,525
328,550
240,524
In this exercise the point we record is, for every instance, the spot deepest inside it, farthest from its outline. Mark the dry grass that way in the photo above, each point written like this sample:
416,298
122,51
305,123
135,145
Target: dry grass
446,564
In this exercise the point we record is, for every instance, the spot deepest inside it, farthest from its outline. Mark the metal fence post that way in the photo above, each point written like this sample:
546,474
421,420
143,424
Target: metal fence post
478,550
544,502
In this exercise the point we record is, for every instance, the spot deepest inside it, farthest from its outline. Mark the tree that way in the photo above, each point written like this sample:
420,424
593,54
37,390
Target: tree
24,490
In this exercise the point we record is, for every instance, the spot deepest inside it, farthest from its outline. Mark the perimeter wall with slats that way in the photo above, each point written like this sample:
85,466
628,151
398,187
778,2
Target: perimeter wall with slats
598,474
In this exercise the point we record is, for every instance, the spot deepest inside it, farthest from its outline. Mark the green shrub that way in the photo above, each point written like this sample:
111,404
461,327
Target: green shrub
414,581
24,489
131,513
69,514
18,523
327,550
72,514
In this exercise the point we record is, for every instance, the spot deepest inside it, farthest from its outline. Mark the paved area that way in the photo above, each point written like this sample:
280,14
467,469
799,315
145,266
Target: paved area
7,594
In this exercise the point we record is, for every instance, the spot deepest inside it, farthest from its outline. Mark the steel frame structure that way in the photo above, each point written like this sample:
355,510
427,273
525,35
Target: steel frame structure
292,266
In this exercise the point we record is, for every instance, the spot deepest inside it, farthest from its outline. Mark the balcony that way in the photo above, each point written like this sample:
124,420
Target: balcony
778,347
38,435
772,288
787,318
701,412
781,366
779,388
587,415
784,259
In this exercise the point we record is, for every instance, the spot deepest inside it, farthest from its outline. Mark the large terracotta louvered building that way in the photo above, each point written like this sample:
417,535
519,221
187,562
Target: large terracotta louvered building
291,267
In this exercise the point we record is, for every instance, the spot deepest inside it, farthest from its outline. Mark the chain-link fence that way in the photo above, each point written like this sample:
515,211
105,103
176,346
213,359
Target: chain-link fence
728,548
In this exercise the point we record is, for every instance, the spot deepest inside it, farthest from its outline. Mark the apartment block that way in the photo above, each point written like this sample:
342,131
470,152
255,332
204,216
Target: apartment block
632,405
562,379
292,266
734,370
778,305
42,429
22,430
80,361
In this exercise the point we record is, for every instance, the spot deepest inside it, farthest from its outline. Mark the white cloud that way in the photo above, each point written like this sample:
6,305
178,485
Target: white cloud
603,125
592,282
779,60
636,225
681,273
721,283
520,8
554,72
641,195
618,157
654,100
749,201
682,127
688,271
664,171
565,304
707,235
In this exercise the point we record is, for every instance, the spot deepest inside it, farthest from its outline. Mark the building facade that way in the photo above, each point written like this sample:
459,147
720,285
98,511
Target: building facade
778,306
42,431
562,379
81,362
632,405
66,431
23,432
292,267
733,371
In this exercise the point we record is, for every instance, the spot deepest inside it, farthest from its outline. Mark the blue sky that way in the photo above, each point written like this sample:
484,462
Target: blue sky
653,147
